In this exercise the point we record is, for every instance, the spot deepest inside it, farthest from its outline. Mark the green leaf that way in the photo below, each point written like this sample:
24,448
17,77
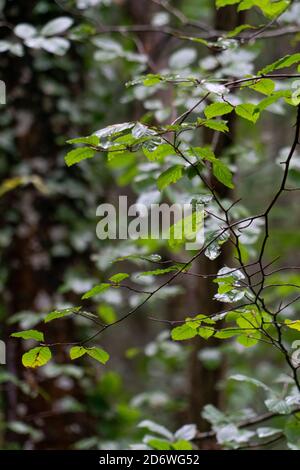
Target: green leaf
183,332
269,8
159,444
270,100
124,156
36,357
265,86
99,354
107,313
294,325
196,321
61,313
185,229
96,353
159,272
217,109
272,8
224,3
79,154
77,351
96,290
90,140
171,175
284,62
182,445
116,278
238,30
206,331
29,334
151,79
204,153
223,173
250,339
227,333
220,126
247,111
159,153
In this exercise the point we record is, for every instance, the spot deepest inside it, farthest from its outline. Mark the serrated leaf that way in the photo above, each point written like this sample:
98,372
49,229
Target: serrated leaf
171,175
36,357
61,313
79,154
217,109
99,289
29,334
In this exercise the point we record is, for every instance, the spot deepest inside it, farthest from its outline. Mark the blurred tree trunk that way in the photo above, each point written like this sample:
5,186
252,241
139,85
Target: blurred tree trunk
204,382
34,276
